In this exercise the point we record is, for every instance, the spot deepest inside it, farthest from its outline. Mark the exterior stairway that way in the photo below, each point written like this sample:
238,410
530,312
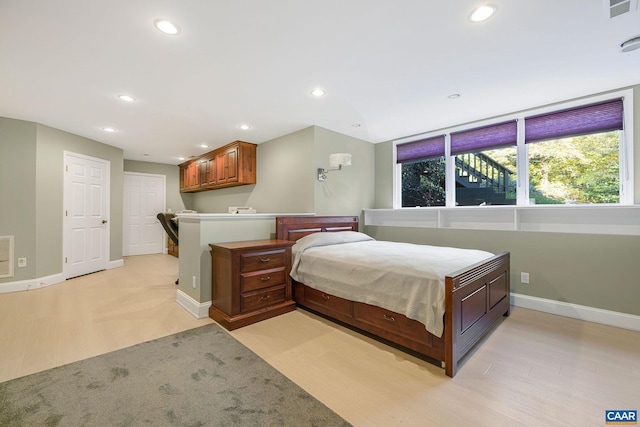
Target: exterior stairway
480,179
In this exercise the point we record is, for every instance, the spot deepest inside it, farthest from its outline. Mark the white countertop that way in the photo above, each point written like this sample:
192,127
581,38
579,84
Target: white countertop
217,216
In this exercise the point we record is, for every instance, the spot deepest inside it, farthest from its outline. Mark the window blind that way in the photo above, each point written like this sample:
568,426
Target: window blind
487,137
422,149
588,119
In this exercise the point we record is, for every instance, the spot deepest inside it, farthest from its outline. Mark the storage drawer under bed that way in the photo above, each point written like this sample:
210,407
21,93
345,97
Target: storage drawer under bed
389,321
321,302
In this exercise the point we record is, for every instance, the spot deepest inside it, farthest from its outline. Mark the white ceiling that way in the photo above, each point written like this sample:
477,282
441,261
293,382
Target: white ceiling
387,66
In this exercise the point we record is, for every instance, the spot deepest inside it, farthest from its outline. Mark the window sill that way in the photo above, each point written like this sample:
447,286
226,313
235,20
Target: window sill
603,219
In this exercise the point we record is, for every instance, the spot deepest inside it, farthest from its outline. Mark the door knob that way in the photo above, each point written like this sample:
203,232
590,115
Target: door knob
104,221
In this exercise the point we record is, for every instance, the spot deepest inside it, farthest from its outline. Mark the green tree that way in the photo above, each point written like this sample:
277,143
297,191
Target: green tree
582,169
423,183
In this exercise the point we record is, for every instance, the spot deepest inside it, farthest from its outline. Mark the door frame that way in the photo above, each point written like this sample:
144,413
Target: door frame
66,193
124,219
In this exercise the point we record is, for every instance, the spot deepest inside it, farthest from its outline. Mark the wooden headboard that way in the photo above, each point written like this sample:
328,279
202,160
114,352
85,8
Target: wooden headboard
294,227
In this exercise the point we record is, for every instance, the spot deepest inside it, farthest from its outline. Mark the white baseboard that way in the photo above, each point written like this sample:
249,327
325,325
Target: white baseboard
199,310
41,282
575,311
115,264
31,284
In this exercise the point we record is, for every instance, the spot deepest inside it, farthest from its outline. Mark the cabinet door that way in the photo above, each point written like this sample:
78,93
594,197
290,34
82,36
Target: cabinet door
183,177
221,168
189,179
227,166
211,165
203,172
232,164
207,172
192,175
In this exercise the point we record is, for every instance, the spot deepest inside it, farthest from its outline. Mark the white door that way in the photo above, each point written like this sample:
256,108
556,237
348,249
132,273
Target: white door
144,198
86,214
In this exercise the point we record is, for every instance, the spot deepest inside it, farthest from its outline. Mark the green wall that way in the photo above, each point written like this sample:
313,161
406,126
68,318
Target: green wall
32,156
17,179
348,191
585,269
287,177
281,184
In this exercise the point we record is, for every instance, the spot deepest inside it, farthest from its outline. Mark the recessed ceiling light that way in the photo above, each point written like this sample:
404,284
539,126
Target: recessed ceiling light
244,126
482,13
180,158
166,26
127,98
630,45
108,129
318,92
204,146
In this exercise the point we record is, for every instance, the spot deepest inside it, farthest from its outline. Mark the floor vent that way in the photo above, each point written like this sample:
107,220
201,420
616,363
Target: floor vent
6,256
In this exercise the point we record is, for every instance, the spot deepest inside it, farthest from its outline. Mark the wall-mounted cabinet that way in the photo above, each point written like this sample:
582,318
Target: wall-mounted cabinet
228,166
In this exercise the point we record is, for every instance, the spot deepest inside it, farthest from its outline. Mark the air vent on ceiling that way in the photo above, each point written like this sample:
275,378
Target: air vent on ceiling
6,256
620,7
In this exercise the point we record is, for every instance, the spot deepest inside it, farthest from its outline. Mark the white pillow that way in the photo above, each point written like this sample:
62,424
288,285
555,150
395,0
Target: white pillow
329,238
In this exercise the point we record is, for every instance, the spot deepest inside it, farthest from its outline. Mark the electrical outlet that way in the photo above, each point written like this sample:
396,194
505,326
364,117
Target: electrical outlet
524,277
193,282
22,262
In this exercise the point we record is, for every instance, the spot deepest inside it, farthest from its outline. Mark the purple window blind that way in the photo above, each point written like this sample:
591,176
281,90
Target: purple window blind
488,137
595,118
423,149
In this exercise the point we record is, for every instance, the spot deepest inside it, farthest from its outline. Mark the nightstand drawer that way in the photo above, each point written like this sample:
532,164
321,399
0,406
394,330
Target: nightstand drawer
262,279
264,260
261,299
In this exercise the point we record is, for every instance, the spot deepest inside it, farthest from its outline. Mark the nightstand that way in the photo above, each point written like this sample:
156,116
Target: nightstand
250,281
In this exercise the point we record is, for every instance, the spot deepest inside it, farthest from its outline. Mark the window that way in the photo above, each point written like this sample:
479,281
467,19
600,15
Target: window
423,172
485,165
582,169
571,155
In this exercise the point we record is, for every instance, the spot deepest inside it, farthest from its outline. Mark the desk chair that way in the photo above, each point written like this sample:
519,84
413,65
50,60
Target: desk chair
170,226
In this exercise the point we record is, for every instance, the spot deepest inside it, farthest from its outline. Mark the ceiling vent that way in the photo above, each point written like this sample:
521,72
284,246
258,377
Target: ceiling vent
620,7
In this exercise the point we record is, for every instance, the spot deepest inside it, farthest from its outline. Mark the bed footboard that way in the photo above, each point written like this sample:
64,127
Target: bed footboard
476,298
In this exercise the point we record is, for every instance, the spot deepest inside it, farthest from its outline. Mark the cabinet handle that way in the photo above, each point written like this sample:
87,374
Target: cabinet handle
265,298
325,297
264,279
388,319
265,259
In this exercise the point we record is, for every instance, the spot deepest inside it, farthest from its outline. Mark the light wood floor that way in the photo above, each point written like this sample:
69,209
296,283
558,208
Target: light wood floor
535,369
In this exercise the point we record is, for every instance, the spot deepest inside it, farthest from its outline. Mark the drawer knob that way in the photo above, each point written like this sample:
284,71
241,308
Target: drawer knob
265,298
388,318
325,297
265,259
265,278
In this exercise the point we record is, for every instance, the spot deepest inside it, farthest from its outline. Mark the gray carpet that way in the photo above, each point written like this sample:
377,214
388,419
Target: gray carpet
201,377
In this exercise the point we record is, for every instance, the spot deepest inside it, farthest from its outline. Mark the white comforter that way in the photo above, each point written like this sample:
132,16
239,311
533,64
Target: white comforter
401,277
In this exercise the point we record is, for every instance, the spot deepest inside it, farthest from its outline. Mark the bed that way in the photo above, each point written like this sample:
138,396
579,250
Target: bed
474,297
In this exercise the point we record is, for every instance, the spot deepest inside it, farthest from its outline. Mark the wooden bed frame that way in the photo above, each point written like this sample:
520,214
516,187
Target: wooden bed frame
476,298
